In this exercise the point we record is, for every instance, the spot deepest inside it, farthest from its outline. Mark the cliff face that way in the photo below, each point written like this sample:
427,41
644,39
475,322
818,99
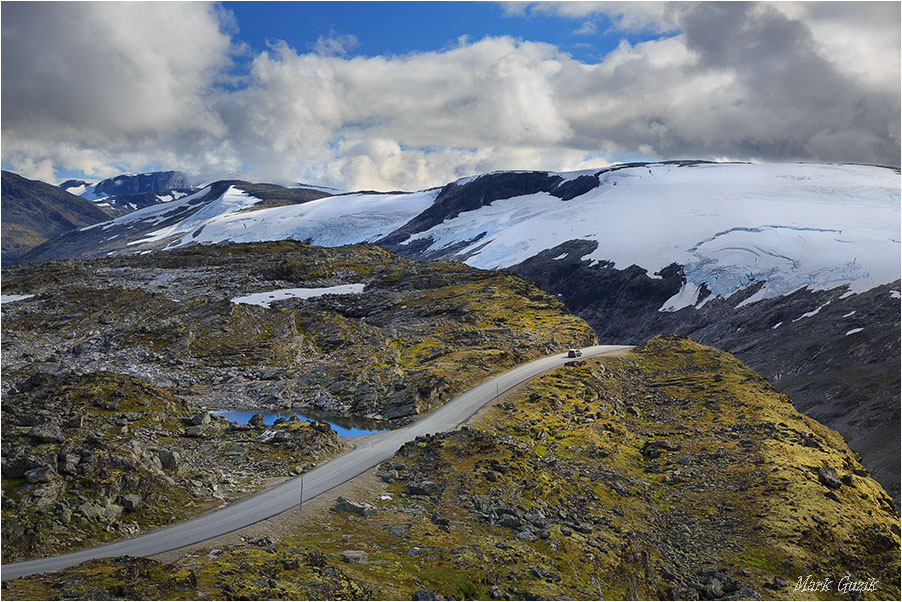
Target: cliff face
673,472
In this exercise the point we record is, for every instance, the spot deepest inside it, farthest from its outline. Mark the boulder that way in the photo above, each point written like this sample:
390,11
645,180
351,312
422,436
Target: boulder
63,514
355,556
257,420
422,488
194,431
47,432
509,521
41,474
89,510
67,463
13,468
829,477
343,505
131,501
655,448
170,460
236,450
200,419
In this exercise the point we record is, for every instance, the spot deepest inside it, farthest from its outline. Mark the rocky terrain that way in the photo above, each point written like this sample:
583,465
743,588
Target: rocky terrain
93,457
417,335
674,472
129,192
110,368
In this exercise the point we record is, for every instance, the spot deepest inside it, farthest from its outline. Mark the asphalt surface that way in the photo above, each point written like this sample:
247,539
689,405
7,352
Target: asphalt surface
370,451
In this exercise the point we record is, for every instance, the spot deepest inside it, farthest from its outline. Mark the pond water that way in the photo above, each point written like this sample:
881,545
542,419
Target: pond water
343,425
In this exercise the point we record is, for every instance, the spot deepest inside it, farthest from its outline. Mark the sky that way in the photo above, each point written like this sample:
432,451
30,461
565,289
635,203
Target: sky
404,96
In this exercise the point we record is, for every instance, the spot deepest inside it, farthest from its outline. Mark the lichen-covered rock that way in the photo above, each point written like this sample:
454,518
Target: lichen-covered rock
355,556
363,509
48,432
829,477
423,487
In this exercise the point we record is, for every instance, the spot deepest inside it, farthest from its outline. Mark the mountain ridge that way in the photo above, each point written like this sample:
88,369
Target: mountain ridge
34,211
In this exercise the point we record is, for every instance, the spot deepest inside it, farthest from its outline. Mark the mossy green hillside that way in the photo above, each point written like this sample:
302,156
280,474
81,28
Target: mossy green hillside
674,472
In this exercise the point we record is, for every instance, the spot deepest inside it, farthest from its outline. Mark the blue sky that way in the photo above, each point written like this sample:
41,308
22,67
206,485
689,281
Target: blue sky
411,95
391,28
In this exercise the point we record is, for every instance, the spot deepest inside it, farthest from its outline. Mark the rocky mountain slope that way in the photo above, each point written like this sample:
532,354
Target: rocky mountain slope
34,212
672,473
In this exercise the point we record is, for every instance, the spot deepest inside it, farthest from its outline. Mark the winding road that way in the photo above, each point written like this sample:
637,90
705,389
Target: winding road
370,451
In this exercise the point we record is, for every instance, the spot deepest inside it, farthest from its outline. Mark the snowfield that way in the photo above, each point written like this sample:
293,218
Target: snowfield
729,225
329,222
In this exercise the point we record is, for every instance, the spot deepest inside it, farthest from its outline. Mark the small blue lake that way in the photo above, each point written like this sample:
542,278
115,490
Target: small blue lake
343,425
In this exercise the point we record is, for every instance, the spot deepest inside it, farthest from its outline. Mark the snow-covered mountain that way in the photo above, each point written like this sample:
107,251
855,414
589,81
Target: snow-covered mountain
128,192
727,225
781,227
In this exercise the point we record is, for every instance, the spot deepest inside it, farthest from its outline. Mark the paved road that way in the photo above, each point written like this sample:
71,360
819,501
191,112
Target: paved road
370,451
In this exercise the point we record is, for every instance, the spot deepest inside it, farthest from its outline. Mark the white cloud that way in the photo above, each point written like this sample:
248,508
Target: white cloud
588,28
626,16
119,87
335,45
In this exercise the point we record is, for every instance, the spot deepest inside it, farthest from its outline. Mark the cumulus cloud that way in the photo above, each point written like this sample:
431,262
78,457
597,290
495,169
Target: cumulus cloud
138,86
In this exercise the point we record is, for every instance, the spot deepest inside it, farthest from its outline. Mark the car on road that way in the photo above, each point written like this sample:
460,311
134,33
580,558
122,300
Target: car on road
574,353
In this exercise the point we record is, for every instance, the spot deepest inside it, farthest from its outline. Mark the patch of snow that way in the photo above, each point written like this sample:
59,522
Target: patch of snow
89,194
12,298
895,295
686,297
561,256
850,314
847,294
155,213
813,312
269,297
854,330
776,326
